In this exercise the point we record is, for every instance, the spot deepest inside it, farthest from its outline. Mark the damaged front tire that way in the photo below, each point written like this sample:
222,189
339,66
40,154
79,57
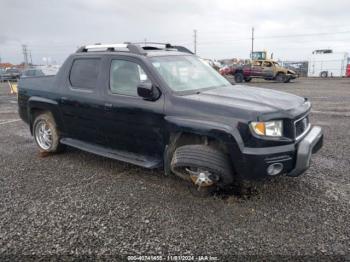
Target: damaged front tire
205,167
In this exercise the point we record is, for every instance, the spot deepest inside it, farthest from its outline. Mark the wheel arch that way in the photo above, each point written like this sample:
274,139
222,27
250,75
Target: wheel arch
324,74
37,105
183,131
238,70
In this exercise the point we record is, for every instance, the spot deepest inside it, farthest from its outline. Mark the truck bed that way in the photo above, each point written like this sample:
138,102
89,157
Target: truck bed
36,83
41,86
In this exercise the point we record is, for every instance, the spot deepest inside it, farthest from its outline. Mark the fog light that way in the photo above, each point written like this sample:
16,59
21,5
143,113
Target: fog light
274,169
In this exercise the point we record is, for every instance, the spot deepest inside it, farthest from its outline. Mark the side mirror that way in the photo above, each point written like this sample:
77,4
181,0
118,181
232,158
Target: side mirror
148,91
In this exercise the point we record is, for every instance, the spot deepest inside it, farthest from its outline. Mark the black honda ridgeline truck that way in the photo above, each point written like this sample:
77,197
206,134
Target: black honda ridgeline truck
158,107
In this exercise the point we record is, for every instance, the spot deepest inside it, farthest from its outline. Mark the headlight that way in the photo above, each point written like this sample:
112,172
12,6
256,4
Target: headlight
270,128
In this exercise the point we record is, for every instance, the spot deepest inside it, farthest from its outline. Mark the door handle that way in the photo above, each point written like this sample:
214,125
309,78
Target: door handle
108,106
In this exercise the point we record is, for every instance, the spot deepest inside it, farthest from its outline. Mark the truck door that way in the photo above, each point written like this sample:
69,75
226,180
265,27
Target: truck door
81,103
267,69
131,123
256,68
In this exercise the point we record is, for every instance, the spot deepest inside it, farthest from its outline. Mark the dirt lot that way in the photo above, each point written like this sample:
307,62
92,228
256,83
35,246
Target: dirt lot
78,203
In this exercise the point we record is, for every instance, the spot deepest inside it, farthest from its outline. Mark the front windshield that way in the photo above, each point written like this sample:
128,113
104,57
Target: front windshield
187,73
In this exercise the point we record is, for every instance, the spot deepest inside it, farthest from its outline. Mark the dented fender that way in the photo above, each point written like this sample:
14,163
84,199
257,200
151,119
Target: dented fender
224,132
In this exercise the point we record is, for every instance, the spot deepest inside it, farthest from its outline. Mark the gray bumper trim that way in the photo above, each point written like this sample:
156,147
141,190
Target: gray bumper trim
305,149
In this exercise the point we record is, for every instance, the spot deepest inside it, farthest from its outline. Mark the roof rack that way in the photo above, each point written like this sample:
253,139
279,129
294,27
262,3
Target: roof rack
126,47
150,44
165,46
139,48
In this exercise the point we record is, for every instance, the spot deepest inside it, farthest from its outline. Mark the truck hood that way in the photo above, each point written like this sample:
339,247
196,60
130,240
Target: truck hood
286,70
261,103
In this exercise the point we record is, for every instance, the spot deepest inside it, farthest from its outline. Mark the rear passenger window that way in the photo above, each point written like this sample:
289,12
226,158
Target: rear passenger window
84,73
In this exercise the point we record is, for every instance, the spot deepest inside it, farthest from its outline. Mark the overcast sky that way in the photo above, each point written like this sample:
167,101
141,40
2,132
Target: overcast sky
289,29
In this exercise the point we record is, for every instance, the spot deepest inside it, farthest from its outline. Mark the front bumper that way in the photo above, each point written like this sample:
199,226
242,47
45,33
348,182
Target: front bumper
292,76
295,158
310,144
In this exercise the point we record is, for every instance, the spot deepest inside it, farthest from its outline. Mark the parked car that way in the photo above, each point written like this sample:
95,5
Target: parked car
32,72
214,64
161,108
10,74
266,69
2,70
348,71
226,69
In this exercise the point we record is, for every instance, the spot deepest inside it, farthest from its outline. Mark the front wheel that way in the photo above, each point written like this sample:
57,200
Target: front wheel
281,78
287,80
46,134
205,167
239,77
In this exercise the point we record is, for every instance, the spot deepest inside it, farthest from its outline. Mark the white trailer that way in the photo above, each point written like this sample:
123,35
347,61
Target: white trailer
328,64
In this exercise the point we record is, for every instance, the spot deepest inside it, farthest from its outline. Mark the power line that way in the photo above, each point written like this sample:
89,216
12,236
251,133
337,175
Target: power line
303,35
203,36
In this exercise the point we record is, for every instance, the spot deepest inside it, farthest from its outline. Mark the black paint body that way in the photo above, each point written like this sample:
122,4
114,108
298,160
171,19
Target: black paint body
145,127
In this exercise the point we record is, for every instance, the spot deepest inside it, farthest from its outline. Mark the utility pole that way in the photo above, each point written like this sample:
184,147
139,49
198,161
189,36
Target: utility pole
252,43
30,55
195,41
25,55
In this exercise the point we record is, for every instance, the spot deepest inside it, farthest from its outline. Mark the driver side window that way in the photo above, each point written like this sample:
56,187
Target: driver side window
267,64
257,63
125,76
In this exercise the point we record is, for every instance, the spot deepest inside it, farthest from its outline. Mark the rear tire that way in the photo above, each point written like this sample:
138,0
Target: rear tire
287,80
239,77
205,159
46,134
248,79
324,74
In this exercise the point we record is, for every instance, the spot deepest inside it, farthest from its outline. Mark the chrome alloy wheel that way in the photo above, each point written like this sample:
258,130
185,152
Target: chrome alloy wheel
43,135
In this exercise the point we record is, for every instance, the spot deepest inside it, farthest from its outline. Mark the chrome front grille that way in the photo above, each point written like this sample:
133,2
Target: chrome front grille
301,126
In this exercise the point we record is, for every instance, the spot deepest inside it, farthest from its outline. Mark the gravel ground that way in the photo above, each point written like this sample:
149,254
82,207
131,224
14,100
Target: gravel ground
77,203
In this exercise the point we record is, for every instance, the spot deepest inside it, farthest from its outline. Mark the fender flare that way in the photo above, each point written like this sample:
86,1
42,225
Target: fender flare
217,130
45,104
220,131
238,70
